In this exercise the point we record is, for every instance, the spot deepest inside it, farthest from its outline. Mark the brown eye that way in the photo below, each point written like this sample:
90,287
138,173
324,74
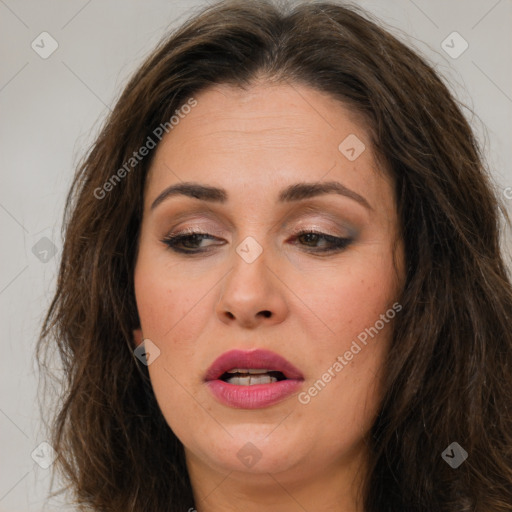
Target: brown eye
333,243
188,242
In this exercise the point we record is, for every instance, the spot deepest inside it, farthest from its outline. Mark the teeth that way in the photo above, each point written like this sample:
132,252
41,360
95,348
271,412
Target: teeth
251,380
252,371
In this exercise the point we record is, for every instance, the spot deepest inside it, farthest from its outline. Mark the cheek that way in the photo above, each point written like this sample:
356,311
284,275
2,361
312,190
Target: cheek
165,306
345,299
173,310
355,306
166,301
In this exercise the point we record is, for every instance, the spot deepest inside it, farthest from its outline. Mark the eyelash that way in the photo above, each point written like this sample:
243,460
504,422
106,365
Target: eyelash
173,241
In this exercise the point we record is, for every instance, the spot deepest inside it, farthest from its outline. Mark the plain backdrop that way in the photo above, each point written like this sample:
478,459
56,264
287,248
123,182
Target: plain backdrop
51,109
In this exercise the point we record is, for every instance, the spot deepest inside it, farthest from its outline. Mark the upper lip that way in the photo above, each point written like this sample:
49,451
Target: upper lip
252,359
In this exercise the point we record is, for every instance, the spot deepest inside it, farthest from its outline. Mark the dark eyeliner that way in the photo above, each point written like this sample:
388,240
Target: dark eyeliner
337,244
172,241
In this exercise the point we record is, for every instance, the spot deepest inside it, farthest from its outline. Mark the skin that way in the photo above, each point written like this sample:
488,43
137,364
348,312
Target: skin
253,143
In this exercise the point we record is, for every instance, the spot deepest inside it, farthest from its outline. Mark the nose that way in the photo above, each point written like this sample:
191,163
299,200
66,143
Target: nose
252,294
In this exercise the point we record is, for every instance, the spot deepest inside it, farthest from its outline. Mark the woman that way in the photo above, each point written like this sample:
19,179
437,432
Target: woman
281,285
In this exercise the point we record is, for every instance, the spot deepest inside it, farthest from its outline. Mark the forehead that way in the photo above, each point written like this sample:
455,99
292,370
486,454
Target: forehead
285,115
264,138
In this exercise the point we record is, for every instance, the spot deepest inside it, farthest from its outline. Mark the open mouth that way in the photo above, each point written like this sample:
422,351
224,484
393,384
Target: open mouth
251,377
248,368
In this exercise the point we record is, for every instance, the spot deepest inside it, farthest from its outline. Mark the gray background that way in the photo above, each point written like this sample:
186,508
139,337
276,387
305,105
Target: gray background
52,108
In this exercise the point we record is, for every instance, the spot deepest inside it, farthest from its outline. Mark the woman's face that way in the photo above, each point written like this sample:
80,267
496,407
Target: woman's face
294,304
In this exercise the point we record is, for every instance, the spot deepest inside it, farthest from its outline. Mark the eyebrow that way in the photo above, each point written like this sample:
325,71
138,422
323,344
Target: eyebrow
295,192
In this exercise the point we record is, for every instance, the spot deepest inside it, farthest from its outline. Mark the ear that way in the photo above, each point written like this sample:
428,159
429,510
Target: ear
137,337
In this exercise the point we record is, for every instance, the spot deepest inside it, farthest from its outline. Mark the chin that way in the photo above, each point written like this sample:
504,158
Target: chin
254,451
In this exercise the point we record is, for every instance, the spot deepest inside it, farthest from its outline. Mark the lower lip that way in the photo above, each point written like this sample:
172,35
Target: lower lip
253,397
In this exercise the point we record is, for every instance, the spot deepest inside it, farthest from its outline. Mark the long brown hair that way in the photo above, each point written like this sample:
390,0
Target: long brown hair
449,369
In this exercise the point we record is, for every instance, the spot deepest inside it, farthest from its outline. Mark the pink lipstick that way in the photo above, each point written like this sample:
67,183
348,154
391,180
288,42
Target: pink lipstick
252,379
